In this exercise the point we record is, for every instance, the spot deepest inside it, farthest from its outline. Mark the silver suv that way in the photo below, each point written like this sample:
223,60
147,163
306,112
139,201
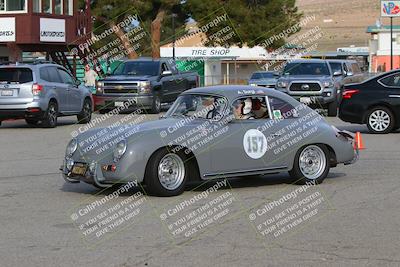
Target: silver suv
41,92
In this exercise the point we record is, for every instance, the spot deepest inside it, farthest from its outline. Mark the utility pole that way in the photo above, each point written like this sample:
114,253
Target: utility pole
173,35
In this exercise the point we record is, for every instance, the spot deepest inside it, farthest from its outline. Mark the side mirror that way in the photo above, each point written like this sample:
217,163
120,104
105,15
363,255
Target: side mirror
337,73
166,73
349,73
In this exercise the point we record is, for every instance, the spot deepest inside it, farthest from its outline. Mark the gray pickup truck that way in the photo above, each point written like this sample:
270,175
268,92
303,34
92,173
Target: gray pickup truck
143,83
312,82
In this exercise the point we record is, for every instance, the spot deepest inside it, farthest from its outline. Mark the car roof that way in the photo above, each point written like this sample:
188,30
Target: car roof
234,91
27,65
342,60
308,61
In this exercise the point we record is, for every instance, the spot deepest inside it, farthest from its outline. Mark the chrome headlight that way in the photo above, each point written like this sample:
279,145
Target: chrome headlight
99,87
282,84
327,84
144,87
69,164
120,150
71,147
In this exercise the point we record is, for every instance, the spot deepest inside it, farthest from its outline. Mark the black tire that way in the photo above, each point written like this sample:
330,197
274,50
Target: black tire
299,177
373,128
0,123
332,109
103,111
156,104
86,113
152,180
50,116
32,122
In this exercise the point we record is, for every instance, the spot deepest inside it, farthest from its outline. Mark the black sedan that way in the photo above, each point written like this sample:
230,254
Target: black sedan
374,102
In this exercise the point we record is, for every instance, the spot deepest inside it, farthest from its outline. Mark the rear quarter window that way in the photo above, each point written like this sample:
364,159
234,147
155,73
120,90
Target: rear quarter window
16,75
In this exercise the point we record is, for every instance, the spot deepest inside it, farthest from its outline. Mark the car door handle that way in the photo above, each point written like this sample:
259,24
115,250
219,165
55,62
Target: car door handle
394,96
276,134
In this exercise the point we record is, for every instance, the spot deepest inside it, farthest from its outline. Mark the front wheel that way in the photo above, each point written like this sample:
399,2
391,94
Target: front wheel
156,104
311,164
167,173
380,120
332,109
86,114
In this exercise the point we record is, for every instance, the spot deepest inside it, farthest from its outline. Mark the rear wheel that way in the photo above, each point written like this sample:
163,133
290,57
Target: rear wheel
86,114
50,117
332,109
380,120
167,173
311,164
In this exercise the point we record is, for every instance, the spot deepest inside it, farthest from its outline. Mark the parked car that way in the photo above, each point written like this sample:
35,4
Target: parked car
40,92
149,82
264,79
311,81
346,71
374,102
208,133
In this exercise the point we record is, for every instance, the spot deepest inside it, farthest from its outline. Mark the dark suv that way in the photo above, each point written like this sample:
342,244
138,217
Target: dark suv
41,92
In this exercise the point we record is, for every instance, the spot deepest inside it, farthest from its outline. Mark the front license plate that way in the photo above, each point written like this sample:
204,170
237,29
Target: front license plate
79,169
305,100
6,92
119,104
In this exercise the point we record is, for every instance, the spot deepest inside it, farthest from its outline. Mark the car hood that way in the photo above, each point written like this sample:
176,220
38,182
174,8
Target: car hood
304,77
127,78
92,140
264,81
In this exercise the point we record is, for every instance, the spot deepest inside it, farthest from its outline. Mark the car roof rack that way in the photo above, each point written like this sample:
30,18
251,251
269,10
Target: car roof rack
42,61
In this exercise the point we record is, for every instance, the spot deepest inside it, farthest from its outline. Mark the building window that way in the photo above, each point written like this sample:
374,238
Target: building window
13,5
36,6
46,6
58,8
68,4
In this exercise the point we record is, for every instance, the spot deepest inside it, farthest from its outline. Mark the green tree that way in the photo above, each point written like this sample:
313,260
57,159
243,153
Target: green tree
252,20
154,16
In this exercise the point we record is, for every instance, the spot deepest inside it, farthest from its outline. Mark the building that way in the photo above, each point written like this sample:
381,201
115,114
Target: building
379,44
49,26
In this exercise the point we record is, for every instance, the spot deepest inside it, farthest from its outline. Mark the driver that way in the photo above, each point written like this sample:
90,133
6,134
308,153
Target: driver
242,110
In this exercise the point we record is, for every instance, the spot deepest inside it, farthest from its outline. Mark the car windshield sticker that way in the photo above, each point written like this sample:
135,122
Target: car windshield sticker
254,143
277,114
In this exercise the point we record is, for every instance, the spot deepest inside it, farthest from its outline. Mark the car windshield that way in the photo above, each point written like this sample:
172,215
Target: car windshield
15,75
197,106
262,75
138,68
306,68
336,66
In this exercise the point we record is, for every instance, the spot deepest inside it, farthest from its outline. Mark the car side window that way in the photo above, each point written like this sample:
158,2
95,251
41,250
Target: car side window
250,108
356,68
392,80
281,109
53,75
345,68
164,67
44,74
65,77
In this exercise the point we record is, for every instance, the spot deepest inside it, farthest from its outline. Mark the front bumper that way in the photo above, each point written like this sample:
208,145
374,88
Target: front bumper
131,101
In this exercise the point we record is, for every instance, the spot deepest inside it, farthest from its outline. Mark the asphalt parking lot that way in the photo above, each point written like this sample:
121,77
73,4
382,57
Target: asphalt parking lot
359,227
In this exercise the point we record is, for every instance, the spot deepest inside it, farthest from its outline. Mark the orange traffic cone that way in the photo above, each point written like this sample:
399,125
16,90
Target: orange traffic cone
358,143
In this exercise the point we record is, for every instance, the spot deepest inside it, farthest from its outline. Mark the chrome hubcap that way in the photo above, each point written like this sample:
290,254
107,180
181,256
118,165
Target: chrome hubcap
52,113
312,162
171,171
379,120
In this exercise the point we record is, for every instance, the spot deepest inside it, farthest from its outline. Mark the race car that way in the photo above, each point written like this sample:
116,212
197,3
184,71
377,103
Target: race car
211,133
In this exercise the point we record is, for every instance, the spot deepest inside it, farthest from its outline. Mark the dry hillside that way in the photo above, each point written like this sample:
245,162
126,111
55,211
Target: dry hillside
343,22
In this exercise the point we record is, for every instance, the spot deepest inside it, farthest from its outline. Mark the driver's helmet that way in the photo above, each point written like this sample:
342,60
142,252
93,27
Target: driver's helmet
247,106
